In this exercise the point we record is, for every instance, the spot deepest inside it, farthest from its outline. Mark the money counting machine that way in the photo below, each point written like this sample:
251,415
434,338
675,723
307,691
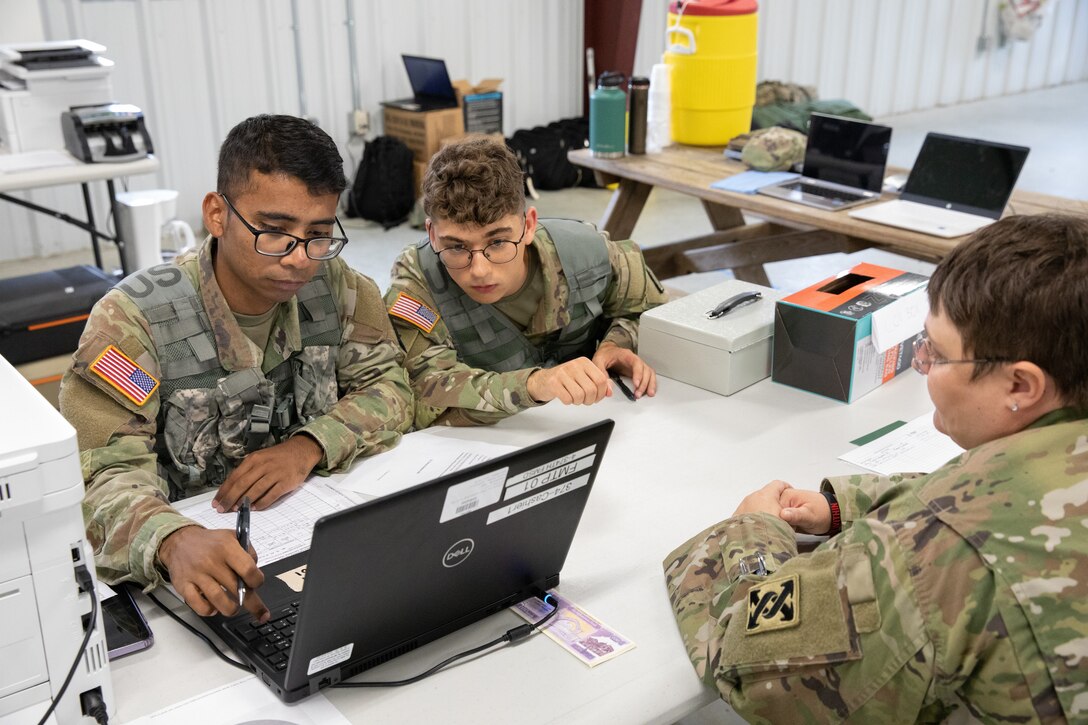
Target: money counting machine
111,132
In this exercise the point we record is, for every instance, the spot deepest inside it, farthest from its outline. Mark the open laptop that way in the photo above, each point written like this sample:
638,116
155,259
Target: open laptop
844,164
387,576
957,186
431,86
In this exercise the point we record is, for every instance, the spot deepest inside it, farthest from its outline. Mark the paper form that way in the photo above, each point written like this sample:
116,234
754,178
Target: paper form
421,456
281,530
916,447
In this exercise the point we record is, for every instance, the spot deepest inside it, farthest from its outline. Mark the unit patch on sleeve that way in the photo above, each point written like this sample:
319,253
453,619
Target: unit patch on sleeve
774,605
412,310
119,370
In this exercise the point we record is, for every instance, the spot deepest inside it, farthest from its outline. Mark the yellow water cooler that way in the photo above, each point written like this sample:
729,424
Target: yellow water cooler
711,54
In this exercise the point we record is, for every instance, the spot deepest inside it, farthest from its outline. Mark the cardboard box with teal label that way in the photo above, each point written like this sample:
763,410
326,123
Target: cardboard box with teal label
847,335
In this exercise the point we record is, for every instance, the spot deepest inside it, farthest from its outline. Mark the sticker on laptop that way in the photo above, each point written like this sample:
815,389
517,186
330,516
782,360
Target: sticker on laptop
329,659
536,499
464,498
550,465
548,477
294,578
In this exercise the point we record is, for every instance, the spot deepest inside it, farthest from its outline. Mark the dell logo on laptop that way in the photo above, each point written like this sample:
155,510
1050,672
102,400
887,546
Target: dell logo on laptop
458,553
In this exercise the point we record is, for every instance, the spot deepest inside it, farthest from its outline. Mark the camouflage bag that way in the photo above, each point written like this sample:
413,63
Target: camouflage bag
774,149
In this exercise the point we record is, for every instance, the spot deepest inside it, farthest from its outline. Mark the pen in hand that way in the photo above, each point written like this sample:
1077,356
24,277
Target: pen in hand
627,393
242,531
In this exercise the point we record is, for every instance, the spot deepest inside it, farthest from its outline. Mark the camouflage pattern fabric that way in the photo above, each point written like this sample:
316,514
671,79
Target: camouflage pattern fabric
771,92
127,506
965,590
773,149
449,392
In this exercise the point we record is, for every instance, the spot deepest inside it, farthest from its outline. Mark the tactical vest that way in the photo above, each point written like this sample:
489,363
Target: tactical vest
486,338
1017,566
210,418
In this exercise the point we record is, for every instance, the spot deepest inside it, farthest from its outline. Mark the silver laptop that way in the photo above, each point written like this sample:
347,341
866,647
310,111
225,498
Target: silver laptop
844,164
957,186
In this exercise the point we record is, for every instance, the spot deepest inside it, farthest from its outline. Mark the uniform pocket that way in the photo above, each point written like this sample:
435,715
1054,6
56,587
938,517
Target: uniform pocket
191,427
316,390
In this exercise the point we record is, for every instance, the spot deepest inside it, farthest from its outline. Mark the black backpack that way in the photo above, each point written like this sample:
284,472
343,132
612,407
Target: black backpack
383,191
542,153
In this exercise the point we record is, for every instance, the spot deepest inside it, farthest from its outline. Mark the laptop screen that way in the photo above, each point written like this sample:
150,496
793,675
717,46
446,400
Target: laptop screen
429,77
965,174
848,152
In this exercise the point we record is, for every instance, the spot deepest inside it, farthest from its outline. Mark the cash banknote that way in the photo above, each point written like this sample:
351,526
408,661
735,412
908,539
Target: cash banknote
581,634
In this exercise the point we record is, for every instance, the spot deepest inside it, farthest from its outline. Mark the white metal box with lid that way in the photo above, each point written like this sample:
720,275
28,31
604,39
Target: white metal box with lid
722,355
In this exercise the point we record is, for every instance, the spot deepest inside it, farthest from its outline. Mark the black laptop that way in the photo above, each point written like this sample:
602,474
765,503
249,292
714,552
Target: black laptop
431,86
387,576
844,164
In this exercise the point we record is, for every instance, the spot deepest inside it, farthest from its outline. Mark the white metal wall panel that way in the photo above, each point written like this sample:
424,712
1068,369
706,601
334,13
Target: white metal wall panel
197,67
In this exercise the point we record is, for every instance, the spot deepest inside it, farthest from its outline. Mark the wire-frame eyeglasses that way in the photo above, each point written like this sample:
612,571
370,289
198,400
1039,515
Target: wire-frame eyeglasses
280,244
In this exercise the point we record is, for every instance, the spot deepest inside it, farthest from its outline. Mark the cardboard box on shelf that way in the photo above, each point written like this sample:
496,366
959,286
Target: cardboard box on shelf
423,131
848,335
481,104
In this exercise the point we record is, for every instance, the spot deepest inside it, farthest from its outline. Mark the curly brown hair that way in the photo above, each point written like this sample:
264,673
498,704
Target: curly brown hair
1018,290
474,181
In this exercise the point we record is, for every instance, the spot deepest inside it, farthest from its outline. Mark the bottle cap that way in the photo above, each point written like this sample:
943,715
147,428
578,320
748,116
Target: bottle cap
611,79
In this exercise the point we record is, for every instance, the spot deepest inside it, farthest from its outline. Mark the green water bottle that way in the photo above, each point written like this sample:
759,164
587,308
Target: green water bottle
608,116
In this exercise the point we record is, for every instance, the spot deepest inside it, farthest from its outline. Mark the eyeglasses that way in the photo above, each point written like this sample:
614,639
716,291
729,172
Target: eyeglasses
280,244
499,251
924,358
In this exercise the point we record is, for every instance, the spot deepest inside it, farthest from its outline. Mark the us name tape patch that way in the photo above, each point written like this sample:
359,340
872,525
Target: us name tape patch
774,605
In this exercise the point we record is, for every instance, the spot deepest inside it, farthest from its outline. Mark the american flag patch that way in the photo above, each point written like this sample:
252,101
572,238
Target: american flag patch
117,369
414,311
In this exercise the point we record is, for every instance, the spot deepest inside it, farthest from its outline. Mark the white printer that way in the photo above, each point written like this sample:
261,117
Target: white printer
43,610
39,81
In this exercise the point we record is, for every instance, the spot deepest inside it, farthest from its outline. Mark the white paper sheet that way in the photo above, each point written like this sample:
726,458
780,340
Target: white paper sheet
916,447
899,320
281,530
245,702
421,456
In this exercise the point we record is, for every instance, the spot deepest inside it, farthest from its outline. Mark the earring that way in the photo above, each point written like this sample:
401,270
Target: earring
1015,407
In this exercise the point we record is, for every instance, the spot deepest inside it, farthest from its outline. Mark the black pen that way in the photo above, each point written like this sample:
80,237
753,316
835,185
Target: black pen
242,531
622,386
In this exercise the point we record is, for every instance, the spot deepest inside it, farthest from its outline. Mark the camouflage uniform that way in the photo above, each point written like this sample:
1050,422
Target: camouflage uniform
964,588
449,392
363,410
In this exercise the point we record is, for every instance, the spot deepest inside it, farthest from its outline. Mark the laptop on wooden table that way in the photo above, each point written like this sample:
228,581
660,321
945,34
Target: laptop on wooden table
387,576
957,186
844,164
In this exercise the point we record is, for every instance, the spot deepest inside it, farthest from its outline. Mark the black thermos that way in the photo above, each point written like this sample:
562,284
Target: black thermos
639,88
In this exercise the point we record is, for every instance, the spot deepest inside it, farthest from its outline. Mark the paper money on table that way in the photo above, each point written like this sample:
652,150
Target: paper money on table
584,636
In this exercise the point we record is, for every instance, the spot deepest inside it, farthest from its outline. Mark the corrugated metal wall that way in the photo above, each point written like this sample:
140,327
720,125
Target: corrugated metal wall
197,67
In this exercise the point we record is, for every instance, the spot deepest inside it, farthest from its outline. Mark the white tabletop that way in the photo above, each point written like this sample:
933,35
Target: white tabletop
75,173
677,463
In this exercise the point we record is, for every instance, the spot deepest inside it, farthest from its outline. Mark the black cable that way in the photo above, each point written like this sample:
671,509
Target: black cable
201,635
512,635
83,577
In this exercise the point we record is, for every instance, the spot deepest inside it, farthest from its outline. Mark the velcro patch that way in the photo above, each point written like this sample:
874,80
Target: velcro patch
122,373
774,605
412,310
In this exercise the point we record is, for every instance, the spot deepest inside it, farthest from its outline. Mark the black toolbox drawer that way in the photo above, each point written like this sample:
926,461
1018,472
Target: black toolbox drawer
43,315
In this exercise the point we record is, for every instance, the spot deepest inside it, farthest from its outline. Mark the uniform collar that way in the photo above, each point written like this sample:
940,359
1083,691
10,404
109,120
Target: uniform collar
236,351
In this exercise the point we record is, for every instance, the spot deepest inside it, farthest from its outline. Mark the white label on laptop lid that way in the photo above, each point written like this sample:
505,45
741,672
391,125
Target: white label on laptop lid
561,461
536,499
464,498
330,659
550,476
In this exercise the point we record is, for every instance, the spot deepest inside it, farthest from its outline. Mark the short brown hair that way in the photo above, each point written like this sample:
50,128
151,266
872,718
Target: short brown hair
475,181
1018,290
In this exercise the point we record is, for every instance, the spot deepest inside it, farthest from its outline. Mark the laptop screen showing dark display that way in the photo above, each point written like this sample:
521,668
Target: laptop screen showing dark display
429,77
845,151
965,174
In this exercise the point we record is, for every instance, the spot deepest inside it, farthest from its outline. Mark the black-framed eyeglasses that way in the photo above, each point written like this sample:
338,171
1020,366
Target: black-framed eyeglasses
924,358
280,244
497,251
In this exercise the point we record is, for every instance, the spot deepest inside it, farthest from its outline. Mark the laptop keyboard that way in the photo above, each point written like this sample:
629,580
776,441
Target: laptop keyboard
828,193
272,640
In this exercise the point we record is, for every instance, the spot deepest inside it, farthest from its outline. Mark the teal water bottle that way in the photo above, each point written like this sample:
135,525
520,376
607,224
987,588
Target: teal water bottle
608,116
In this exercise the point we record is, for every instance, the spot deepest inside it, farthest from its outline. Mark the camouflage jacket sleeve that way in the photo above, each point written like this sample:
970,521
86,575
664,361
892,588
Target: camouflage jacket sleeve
375,405
447,391
126,507
856,493
633,290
